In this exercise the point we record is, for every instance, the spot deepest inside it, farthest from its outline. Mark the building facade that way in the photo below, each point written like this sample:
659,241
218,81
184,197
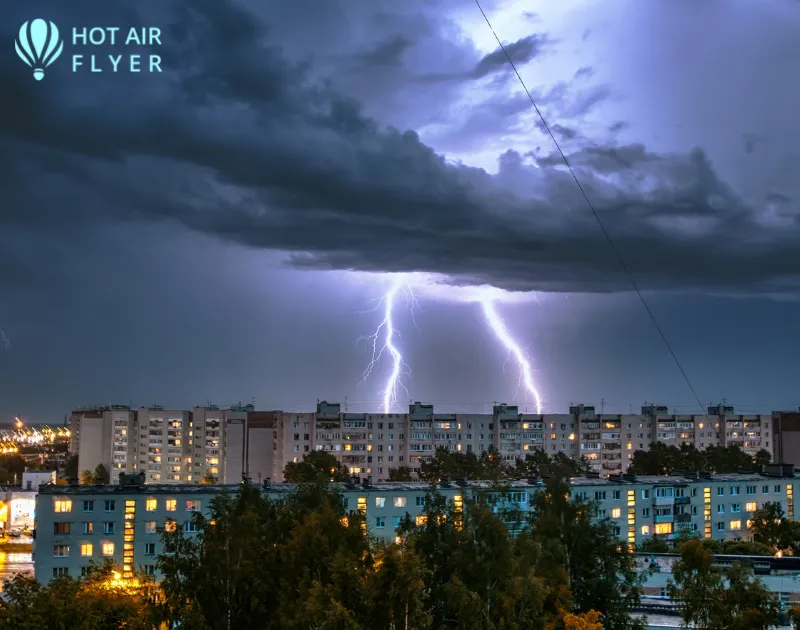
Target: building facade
177,446
78,524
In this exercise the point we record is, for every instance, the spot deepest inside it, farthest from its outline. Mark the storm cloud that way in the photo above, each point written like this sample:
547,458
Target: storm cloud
238,142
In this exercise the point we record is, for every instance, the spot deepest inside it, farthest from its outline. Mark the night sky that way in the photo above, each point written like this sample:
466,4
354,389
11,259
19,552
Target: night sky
221,231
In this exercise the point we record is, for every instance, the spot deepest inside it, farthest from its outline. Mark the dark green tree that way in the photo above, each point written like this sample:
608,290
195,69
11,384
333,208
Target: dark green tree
101,474
713,600
401,473
316,467
71,467
770,527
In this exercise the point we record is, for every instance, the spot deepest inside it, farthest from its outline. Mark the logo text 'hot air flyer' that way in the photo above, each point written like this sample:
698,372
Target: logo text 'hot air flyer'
39,44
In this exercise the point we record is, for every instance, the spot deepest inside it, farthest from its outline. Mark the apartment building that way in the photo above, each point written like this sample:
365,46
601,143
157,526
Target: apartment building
174,445
76,524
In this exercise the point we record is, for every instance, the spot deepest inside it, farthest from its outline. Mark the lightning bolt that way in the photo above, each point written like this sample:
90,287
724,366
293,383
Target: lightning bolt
383,343
503,336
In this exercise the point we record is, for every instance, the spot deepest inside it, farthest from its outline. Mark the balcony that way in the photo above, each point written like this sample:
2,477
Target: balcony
682,501
664,518
683,518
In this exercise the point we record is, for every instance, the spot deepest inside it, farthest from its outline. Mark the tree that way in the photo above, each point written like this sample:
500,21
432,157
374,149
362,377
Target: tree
586,621
87,478
14,464
762,458
401,473
101,474
654,545
71,467
316,467
584,555
713,600
208,480
769,526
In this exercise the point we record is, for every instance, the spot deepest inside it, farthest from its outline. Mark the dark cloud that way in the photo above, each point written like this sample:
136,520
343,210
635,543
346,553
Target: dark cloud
238,143
386,54
520,52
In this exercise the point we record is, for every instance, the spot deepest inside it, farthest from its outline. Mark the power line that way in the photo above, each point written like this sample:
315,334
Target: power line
594,212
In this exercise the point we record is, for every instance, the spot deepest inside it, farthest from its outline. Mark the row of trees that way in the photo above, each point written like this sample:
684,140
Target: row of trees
665,459
99,475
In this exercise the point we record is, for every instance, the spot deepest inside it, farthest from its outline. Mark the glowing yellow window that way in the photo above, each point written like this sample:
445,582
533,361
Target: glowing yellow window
362,504
86,549
663,528
645,530
344,521
170,505
62,505
616,513
736,525
108,549
150,505
421,519
752,506
170,526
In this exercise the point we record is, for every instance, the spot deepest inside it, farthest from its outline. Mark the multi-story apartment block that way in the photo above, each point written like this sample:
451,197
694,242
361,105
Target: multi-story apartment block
76,524
174,446
207,442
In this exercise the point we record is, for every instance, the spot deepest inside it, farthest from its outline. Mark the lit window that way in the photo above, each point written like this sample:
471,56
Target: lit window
421,519
380,502
751,506
645,530
86,549
616,513
170,526
193,505
736,525
62,505
170,505
399,502
151,505
663,528
150,527
108,548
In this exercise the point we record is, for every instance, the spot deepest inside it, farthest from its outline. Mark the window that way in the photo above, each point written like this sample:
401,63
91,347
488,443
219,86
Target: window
665,492
88,506
108,527
720,509
764,489
736,525
616,513
752,506
735,490
751,489
600,496
694,492
736,507
190,527
57,571
380,522
150,527
645,494
108,548
150,569
110,506
720,491
150,505
720,526
60,529
60,551
645,530
615,494
420,519
86,550
663,528
62,505
777,489
193,505
150,549
170,505
380,502
420,501
395,522
399,502
88,528
170,526
645,512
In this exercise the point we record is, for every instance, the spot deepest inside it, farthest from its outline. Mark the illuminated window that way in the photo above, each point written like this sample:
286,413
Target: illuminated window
399,502
62,505
616,513
380,502
170,505
663,528
645,530
421,519
736,525
150,505
344,521
108,548
752,506
397,540
86,549
170,526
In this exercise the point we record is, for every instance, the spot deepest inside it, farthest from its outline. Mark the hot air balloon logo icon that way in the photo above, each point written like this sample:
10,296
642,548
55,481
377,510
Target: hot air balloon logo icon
38,45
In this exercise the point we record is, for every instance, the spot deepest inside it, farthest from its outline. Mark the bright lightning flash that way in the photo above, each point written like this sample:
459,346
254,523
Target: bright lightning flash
383,342
501,332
